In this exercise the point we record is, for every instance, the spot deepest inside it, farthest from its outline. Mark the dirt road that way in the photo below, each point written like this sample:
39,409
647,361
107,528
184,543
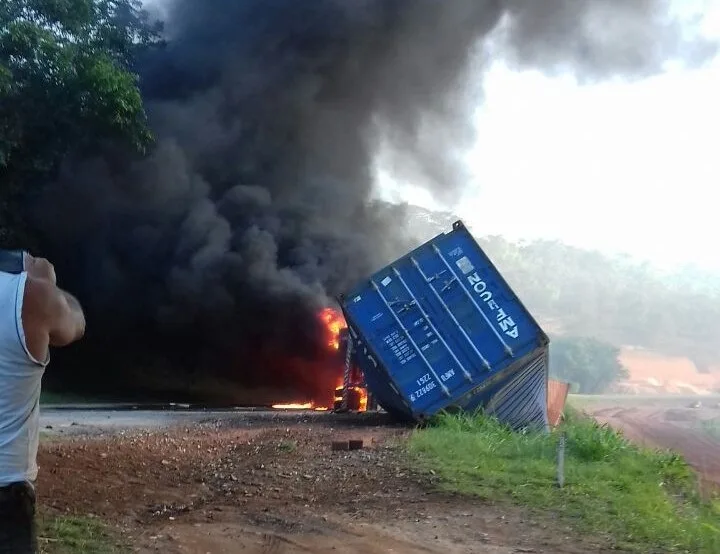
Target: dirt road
254,483
671,424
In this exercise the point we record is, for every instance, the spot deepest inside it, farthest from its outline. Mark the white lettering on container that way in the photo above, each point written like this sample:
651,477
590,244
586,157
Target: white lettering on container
506,323
426,384
447,375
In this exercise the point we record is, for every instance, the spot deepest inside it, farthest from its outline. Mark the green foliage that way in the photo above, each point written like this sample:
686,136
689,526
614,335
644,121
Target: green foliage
589,364
77,535
641,500
65,86
589,442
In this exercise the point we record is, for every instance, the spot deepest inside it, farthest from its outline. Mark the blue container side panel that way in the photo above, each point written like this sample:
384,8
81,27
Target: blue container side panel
377,380
438,323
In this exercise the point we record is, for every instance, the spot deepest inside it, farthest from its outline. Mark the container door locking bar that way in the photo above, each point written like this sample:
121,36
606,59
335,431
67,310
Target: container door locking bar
426,317
474,303
445,390
483,359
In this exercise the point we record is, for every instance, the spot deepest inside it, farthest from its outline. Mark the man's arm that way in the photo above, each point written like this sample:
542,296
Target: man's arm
68,325
53,311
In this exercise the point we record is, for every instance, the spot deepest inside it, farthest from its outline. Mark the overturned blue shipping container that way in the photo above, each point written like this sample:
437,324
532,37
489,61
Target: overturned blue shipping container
441,329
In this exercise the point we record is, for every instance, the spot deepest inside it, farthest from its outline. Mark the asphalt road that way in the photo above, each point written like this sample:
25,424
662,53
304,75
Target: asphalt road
96,419
67,419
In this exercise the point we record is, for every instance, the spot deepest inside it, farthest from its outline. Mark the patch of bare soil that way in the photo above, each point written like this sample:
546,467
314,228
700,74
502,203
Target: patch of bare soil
281,489
655,373
677,429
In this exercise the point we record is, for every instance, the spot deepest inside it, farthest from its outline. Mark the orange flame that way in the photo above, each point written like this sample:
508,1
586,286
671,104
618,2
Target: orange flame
298,406
362,405
334,323
360,393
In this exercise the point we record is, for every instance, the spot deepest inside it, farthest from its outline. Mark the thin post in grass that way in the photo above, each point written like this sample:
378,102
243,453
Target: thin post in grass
561,461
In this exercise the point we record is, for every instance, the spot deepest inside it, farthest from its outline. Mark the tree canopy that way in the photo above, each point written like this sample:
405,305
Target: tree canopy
65,84
591,365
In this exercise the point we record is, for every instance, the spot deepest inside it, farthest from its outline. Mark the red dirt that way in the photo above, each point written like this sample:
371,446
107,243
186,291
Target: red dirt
671,374
677,428
280,489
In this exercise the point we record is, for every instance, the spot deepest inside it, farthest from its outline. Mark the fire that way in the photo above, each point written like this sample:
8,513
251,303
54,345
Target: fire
357,397
362,403
334,323
307,406
298,406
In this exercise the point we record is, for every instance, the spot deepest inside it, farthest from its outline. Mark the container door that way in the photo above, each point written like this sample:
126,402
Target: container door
488,322
405,336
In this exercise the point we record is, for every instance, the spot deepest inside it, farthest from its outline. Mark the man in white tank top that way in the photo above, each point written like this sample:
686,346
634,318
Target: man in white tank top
34,315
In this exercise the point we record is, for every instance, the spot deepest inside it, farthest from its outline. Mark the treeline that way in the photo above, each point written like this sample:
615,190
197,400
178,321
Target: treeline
612,299
66,90
590,365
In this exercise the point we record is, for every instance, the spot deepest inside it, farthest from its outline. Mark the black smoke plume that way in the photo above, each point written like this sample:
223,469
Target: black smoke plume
202,267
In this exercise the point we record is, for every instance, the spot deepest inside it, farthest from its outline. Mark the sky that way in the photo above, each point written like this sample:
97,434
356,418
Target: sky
617,167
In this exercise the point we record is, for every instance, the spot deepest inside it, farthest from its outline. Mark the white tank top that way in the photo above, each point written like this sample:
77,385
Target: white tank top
20,381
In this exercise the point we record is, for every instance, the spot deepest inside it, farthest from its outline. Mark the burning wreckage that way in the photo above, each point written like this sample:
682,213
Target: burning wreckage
440,329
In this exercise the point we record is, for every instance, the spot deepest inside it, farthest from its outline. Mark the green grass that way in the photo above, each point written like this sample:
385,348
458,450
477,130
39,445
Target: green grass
644,501
76,535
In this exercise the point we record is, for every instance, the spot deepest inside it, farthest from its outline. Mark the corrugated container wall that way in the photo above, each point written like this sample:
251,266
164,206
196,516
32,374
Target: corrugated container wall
441,329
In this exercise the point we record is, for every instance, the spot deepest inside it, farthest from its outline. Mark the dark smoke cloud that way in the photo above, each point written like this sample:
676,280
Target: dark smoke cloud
202,266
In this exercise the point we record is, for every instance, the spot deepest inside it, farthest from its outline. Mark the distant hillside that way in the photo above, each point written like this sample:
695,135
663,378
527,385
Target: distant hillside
650,373
614,299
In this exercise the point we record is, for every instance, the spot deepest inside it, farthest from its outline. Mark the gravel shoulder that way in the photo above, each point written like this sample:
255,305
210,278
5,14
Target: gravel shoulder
270,483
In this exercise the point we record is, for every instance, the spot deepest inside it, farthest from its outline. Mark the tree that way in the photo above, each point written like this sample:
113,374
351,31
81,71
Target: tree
65,84
588,363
